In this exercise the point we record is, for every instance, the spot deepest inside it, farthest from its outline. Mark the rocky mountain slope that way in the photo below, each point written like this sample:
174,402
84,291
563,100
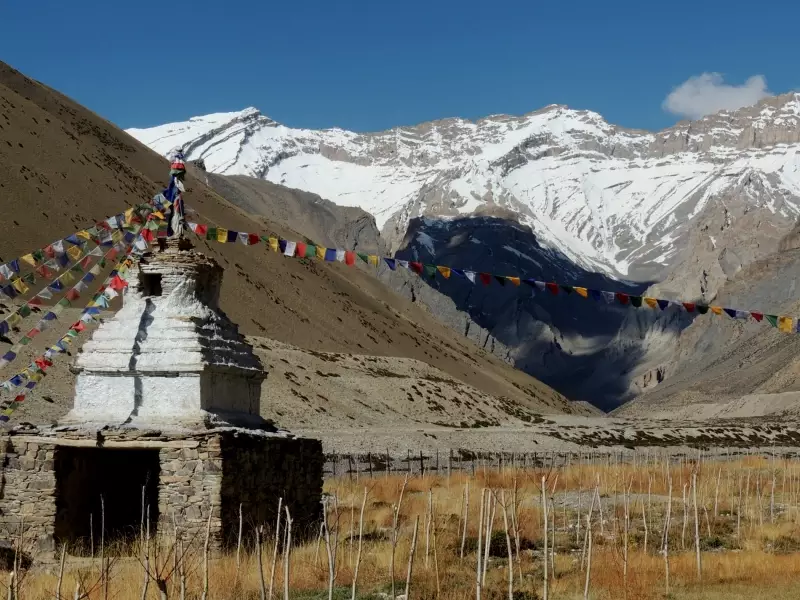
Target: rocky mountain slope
555,194
613,200
63,168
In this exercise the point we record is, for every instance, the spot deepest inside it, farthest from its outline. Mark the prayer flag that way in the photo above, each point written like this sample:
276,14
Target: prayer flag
485,278
373,260
567,288
663,304
470,275
772,319
273,243
730,312
300,251
445,271
244,238
222,234
785,324
74,252
390,262
689,306
321,251
757,316
582,291
430,271
349,258
28,258
416,267
282,245
622,298
636,301
717,310
651,302
290,249
500,279
311,251
552,288
253,239
340,255
363,257
330,254
702,308
401,263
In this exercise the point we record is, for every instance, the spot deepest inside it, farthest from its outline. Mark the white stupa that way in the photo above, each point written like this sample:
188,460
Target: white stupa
168,358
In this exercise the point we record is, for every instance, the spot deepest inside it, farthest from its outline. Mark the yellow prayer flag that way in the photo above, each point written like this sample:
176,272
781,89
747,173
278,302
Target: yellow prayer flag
514,280
651,302
717,310
67,277
28,258
116,237
84,234
321,252
583,292
159,215
74,252
222,234
13,319
373,260
273,243
445,271
785,324
20,286
128,215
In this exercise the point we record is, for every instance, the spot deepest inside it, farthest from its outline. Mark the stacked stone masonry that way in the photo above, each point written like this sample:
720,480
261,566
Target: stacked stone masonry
199,475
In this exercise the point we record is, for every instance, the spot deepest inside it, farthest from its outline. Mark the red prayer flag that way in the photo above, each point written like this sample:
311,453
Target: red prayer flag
147,235
50,252
552,288
689,306
201,230
19,398
79,326
349,258
73,294
117,283
35,301
622,298
757,316
112,254
300,250
486,278
87,260
253,238
416,267
43,363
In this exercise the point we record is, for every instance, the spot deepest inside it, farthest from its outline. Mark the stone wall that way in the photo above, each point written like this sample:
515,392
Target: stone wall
27,492
257,471
200,475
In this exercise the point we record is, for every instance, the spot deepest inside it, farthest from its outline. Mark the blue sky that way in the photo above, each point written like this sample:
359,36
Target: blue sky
369,65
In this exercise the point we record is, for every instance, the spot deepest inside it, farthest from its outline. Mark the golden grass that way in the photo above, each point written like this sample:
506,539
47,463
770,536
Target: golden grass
751,548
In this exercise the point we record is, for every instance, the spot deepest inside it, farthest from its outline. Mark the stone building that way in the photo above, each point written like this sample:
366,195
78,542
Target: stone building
167,417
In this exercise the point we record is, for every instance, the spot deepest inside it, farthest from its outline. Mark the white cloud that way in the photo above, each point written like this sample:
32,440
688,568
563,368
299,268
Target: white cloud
708,93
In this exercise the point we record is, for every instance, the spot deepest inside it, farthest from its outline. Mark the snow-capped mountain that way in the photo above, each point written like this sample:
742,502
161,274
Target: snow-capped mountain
615,200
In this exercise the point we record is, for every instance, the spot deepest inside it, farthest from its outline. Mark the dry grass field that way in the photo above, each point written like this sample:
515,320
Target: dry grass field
730,529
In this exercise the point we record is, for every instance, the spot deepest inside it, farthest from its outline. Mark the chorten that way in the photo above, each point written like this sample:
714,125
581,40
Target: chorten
167,415
169,358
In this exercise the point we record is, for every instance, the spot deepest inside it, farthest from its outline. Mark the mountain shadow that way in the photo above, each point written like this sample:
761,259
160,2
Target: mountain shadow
586,348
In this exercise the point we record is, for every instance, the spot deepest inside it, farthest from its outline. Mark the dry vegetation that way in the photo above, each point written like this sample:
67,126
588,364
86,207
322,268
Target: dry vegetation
732,532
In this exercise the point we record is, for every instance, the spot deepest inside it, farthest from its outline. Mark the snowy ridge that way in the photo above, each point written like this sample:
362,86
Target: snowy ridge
611,199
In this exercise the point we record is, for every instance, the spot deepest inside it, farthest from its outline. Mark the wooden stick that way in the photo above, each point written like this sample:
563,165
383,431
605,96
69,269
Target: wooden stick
508,546
696,527
275,549
479,567
205,555
666,537
411,558
588,561
395,517
287,551
61,571
360,539
544,512
466,519
435,554
428,526
262,585
239,543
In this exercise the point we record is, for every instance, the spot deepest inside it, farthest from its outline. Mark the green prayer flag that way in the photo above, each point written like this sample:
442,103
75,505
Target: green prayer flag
29,278
636,301
363,257
24,341
38,256
64,302
24,311
311,251
773,320
211,234
430,271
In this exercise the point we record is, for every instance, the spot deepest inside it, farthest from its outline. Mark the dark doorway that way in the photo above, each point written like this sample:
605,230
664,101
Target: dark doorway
150,284
119,477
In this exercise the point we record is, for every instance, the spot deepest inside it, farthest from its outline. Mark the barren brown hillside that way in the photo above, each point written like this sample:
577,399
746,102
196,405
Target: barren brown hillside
63,167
